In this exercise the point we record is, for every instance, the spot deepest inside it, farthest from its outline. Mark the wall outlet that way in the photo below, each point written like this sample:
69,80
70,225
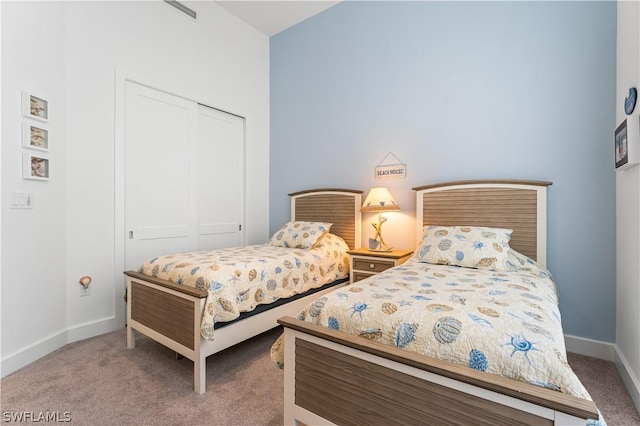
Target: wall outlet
85,291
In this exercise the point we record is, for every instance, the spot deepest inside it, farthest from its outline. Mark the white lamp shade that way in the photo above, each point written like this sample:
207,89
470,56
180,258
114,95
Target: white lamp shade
379,199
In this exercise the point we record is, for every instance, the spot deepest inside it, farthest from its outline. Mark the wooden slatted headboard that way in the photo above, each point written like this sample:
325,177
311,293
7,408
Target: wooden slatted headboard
338,206
514,204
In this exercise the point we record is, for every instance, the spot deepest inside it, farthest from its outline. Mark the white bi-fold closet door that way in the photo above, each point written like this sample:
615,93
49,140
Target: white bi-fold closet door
184,175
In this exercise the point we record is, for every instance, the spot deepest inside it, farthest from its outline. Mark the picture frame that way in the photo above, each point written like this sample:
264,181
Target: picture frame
35,167
34,106
621,145
35,137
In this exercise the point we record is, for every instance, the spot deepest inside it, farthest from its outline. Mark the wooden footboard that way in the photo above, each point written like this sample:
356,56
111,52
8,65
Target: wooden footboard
171,315
335,378
165,308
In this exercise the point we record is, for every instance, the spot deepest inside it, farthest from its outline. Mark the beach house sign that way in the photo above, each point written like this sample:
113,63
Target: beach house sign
397,170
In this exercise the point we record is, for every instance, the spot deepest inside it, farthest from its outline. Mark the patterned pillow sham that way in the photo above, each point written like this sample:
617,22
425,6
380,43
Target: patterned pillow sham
299,234
468,246
332,241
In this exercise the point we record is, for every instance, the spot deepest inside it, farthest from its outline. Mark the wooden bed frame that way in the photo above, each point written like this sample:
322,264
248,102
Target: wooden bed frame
170,314
335,378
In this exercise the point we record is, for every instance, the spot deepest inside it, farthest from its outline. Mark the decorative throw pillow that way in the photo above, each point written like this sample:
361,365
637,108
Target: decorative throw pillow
303,235
467,246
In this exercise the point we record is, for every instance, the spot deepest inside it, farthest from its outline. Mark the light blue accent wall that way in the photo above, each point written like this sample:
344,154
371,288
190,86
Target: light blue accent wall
461,90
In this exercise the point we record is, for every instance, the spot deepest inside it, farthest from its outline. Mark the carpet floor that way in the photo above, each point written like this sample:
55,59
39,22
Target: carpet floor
99,381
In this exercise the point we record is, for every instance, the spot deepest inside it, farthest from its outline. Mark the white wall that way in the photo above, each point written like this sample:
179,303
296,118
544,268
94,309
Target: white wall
33,241
628,209
217,60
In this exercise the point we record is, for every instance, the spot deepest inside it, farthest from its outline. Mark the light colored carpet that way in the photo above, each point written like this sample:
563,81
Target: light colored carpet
606,388
99,381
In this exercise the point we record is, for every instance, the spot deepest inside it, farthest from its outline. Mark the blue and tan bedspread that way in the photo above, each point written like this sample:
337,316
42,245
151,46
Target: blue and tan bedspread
501,322
240,278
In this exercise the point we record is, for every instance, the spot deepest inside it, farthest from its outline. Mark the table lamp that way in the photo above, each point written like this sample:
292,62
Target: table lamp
379,200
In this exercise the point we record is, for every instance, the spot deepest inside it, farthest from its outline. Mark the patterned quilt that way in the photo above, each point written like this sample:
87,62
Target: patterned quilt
501,322
240,278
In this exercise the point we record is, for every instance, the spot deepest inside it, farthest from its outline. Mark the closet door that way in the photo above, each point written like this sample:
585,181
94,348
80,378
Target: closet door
160,168
220,185
183,175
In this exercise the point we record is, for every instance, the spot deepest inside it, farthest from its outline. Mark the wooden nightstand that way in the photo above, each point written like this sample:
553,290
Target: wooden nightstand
365,262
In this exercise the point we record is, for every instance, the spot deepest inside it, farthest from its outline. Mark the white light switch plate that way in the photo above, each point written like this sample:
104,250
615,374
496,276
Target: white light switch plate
21,200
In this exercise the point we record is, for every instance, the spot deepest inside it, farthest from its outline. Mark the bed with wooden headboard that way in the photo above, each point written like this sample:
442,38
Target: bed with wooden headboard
335,377
171,313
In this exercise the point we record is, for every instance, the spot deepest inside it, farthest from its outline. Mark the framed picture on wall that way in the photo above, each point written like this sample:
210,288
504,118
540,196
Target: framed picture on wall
35,107
621,145
35,167
35,137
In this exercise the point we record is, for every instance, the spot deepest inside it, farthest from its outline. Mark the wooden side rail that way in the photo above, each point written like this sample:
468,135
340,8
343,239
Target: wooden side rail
537,395
168,284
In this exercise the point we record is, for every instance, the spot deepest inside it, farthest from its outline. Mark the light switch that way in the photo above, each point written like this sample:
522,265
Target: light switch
21,200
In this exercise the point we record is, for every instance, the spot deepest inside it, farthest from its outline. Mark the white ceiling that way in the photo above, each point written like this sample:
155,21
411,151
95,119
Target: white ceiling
271,17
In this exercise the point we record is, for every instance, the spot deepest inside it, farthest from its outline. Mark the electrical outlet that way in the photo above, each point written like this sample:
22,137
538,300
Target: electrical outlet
85,291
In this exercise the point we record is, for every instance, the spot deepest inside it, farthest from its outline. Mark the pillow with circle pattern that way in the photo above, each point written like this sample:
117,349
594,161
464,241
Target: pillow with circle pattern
467,246
300,234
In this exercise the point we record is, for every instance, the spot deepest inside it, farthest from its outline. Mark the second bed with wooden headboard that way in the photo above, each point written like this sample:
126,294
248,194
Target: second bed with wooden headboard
467,331
200,303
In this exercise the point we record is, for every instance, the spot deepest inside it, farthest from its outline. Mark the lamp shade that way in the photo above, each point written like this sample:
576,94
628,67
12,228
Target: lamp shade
378,200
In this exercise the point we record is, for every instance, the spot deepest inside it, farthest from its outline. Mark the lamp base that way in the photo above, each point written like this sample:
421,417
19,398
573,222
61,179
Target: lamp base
375,245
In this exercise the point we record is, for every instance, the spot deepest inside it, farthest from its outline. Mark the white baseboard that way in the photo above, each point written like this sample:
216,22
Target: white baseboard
631,381
91,329
589,347
31,353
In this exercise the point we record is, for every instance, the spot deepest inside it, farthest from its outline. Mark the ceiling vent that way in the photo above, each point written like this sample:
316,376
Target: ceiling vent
182,8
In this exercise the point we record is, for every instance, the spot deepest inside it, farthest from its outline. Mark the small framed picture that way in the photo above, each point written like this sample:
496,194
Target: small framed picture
621,145
35,137
35,167
35,107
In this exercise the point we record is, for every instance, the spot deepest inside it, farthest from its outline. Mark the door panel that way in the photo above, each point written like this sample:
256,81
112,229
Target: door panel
220,179
148,248
160,130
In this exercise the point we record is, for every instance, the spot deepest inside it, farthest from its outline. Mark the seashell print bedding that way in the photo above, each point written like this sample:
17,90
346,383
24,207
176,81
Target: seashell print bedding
501,322
240,278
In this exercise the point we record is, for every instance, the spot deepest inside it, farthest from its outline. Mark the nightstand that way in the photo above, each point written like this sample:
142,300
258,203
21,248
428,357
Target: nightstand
365,263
